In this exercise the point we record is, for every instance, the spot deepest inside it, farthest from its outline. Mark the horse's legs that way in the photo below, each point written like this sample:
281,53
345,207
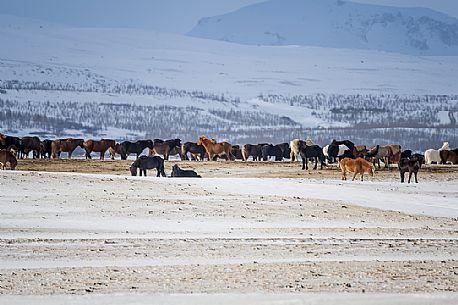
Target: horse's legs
316,163
158,172
410,176
402,176
362,176
144,172
354,176
69,157
416,180
102,155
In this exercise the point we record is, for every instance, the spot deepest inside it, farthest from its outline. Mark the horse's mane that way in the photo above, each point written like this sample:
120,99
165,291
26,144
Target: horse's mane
445,146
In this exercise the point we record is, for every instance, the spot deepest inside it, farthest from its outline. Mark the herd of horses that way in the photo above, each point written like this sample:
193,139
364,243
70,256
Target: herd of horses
361,159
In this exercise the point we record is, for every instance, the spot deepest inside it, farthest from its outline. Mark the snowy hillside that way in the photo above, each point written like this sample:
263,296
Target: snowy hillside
336,23
57,81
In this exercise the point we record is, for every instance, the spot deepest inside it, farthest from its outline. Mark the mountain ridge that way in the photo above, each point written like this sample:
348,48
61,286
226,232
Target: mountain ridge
337,24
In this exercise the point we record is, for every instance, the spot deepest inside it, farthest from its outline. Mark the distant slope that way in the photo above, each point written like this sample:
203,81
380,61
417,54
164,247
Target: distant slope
36,51
57,81
336,23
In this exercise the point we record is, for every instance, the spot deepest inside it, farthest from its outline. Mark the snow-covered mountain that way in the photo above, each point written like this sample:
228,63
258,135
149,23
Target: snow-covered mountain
338,24
58,81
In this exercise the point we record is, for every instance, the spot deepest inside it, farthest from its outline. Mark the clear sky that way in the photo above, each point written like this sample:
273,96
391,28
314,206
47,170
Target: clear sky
178,16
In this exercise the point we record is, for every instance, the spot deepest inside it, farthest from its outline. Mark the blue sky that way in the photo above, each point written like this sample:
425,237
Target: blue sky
177,16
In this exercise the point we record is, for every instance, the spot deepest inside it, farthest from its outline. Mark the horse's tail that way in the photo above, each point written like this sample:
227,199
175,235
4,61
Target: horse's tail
231,156
244,153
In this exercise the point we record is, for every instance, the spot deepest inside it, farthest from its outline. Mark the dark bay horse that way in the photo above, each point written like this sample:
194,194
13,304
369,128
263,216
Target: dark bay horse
311,151
147,162
137,148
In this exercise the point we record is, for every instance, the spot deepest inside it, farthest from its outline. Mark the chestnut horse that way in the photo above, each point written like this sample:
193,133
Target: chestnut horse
98,146
65,145
357,166
215,149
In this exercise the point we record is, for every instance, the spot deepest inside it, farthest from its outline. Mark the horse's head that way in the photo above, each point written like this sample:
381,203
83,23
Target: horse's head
200,140
2,139
13,149
80,143
133,170
149,144
445,146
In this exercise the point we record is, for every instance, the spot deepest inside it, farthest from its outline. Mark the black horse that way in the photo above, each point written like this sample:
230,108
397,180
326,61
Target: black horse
271,151
178,172
196,151
333,150
137,148
311,151
31,144
406,154
348,143
46,149
418,157
253,150
15,142
285,149
411,166
147,162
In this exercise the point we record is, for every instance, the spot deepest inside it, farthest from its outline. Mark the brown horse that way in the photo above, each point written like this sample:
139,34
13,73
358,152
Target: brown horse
114,150
378,153
65,145
98,146
215,149
7,156
449,156
359,151
160,149
395,155
356,166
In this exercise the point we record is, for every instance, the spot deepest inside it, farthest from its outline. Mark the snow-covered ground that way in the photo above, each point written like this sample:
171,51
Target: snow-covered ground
100,233
241,299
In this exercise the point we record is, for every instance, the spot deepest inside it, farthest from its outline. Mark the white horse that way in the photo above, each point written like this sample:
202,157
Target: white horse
433,155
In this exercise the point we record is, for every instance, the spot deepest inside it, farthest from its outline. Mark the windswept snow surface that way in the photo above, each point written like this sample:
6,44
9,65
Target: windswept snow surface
65,233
